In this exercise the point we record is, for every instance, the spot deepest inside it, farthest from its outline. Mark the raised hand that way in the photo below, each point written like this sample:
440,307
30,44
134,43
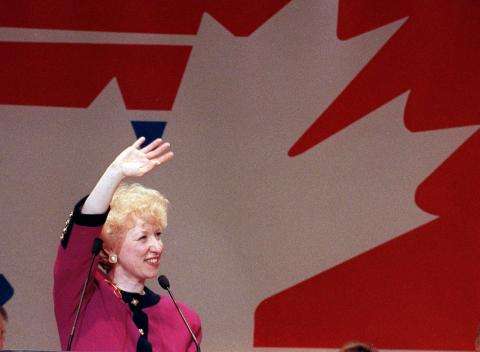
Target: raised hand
132,162
135,162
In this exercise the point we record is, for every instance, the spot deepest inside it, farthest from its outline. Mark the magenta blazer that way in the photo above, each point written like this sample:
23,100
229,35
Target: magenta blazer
105,322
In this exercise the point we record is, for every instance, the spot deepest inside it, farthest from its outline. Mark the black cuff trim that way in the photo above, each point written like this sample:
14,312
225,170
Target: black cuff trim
92,220
76,217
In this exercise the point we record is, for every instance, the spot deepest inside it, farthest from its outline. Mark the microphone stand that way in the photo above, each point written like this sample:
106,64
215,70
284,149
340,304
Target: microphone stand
164,283
96,248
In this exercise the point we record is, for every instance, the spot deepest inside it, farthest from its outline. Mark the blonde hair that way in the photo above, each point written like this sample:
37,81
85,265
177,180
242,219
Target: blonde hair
133,200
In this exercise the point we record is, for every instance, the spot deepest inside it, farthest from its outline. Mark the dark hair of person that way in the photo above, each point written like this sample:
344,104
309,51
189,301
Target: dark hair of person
357,347
3,313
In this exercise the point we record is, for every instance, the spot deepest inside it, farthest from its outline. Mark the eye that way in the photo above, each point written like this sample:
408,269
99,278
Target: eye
158,234
144,237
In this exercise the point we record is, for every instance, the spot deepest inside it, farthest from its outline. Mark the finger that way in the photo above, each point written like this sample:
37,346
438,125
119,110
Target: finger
138,142
158,151
163,159
152,145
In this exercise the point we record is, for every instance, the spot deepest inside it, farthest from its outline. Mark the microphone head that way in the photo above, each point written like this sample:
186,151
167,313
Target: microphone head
163,282
97,246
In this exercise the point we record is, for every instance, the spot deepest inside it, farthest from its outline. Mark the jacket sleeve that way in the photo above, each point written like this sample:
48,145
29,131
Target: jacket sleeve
71,265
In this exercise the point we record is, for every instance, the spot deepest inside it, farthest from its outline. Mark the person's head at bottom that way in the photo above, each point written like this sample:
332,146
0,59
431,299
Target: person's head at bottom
357,347
132,236
3,326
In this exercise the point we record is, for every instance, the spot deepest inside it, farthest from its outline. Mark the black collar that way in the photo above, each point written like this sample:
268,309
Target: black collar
140,300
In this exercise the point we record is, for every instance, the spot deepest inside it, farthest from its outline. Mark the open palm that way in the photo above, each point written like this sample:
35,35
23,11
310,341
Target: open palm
135,161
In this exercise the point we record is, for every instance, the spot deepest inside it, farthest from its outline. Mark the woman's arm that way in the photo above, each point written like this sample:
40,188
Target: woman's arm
132,162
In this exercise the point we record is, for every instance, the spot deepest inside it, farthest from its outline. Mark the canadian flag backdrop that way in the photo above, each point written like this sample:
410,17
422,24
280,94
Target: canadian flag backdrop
325,185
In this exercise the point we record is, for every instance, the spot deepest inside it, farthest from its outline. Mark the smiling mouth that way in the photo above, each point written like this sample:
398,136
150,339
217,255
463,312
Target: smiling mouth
154,260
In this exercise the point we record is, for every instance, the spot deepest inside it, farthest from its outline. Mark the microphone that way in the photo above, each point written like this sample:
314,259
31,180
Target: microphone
96,248
165,284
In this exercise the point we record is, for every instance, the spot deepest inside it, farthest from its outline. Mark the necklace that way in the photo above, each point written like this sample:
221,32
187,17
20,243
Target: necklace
118,291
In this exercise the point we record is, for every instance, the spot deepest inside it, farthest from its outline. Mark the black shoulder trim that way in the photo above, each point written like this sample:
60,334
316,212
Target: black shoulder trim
76,217
92,220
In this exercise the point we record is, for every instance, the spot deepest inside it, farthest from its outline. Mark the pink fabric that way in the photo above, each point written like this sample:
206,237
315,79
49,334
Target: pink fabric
105,322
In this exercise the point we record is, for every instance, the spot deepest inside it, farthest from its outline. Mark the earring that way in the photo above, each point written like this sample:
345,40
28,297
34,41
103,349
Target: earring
112,259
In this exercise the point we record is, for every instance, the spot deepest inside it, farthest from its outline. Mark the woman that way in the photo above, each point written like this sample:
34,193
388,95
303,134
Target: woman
119,313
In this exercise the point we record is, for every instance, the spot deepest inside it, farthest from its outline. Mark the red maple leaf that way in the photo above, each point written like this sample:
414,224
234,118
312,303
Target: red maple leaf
420,290
435,55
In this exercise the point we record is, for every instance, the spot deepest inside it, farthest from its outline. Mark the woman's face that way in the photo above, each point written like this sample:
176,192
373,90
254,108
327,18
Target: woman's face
139,255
